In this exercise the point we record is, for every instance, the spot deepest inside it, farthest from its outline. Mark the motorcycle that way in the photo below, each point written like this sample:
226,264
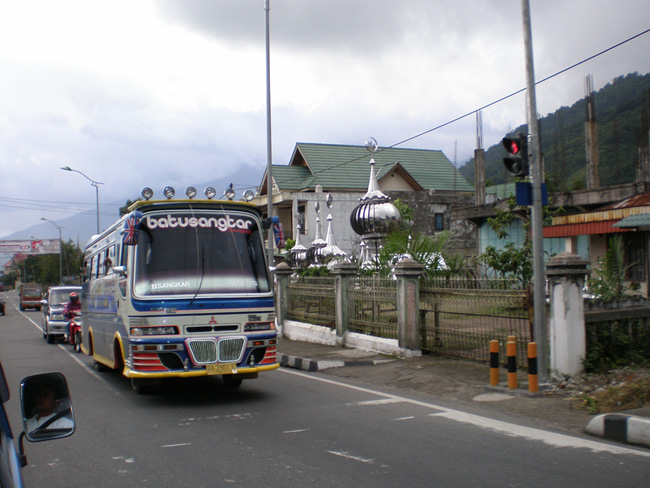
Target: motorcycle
74,328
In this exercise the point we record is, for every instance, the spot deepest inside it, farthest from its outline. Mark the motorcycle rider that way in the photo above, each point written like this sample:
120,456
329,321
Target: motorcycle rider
73,305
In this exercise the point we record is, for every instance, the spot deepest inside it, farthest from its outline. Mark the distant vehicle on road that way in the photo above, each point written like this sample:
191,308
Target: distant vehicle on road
30,296
53,323
2,306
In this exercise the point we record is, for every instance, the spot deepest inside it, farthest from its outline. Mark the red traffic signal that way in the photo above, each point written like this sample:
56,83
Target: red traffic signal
517,160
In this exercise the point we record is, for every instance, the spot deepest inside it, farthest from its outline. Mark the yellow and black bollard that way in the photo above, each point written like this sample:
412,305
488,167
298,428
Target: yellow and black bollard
511,353
533,380
494,362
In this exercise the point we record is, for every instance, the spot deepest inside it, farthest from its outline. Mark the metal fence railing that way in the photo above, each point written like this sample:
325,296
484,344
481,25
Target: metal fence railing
457,320
312,300
373,307
458,317
618,333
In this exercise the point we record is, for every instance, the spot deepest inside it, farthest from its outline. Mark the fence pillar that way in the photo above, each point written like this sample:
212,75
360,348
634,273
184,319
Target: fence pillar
344,272
282,273
566,273
408,273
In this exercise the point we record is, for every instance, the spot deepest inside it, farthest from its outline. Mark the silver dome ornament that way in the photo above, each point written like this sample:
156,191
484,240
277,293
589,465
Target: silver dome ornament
331,249
318,241
298,251
366,263
375,216
371,145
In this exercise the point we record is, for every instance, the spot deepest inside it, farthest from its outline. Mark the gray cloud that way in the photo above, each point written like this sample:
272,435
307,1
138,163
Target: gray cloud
150,92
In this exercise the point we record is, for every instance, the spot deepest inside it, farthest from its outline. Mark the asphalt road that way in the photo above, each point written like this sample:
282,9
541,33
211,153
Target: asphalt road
290,429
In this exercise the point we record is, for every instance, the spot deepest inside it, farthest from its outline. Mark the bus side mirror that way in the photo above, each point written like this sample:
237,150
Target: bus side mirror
119,270
269,221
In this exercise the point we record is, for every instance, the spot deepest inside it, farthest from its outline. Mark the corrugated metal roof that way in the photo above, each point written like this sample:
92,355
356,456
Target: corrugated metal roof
346,168
581,229
640,220
503,191
640,200
615,214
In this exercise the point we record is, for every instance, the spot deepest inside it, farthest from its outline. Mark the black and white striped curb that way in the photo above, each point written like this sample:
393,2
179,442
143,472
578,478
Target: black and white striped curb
629,429
321,364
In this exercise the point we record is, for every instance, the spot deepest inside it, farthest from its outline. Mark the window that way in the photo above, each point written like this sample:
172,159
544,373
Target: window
636,257
301,220
439,221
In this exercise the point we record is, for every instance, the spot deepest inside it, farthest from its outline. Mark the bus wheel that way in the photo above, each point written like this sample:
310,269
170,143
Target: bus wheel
231,381
100,368
139,386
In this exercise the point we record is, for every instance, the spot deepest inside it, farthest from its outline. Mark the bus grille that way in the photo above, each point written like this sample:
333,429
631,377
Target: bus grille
231,349
207,351
203,352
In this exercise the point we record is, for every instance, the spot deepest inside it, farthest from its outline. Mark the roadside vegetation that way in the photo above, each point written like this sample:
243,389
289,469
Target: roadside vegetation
44,269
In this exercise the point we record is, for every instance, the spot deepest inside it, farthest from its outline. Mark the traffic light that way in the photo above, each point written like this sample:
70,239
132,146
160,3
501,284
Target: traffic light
517,160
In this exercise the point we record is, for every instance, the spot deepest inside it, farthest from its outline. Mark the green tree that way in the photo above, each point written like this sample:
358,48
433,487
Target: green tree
125,209
514,260
44,269
608,283
434,252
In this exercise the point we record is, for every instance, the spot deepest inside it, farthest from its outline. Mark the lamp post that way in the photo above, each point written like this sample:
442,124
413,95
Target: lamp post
93,183
60,249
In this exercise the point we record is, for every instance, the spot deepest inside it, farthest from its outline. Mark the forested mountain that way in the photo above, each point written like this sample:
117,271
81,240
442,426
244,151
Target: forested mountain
622,111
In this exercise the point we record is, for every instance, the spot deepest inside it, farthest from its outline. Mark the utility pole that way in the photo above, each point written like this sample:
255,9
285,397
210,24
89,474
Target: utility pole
269,152
537,174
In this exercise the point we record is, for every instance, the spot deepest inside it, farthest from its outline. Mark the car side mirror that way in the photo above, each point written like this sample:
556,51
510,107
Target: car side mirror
46,406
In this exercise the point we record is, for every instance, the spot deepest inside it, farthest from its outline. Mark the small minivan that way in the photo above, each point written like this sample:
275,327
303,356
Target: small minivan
53,323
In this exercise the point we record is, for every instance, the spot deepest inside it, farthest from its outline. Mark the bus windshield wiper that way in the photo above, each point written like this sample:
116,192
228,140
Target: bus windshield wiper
198,288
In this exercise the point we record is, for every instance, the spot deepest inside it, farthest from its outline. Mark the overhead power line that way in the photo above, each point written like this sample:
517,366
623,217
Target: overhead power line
485,106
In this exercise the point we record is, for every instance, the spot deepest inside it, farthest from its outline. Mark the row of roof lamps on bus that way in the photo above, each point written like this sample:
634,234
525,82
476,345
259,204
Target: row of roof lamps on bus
190,192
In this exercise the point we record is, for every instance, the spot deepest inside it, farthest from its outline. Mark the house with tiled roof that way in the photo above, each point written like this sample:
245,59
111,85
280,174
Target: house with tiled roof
424,179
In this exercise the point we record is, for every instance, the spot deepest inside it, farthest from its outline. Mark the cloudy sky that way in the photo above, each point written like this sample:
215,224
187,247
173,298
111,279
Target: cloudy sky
137,93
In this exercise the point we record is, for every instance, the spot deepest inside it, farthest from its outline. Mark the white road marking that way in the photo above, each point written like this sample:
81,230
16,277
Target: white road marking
177,445
550,438
297,431
69,352
350,456
381,401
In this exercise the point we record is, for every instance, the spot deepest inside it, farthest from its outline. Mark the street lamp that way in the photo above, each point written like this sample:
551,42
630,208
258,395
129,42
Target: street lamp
93,183
60,249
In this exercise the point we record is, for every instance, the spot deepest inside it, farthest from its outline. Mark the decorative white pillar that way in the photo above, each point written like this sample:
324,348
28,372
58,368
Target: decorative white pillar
566,273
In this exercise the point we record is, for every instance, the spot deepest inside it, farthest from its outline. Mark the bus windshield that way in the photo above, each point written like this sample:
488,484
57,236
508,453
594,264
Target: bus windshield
189,253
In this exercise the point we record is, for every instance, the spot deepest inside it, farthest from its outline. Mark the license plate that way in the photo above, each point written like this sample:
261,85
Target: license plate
221,368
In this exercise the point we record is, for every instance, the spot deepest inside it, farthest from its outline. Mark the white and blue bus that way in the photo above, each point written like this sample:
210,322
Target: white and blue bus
180,288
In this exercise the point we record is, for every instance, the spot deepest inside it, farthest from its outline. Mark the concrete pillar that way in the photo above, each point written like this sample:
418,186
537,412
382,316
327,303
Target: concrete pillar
344,272
566,273
282,273
408,273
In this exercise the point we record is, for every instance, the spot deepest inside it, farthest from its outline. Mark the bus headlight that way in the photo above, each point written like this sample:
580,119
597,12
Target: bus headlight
147,331
255,326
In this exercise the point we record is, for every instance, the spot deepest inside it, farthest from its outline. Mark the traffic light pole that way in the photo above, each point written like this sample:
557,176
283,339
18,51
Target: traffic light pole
537,174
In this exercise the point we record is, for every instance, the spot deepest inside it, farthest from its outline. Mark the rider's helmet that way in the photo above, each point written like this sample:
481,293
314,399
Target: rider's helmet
73,297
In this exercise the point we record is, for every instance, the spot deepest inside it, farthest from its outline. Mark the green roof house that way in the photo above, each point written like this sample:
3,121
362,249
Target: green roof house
425,179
